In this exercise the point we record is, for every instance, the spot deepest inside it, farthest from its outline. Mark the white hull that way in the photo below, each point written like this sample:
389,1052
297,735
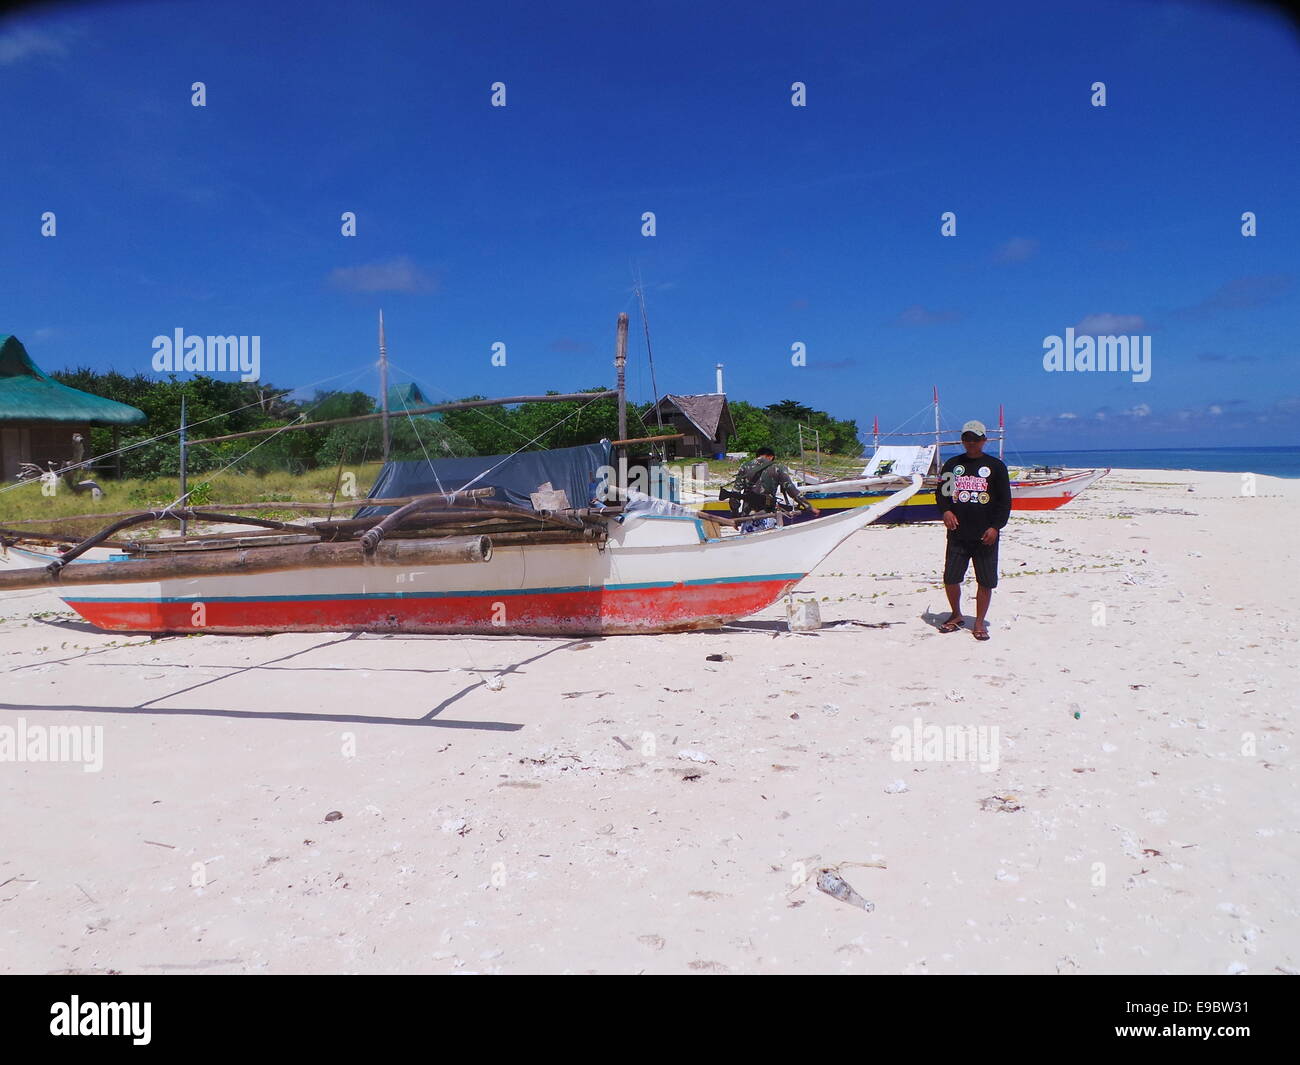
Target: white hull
655,573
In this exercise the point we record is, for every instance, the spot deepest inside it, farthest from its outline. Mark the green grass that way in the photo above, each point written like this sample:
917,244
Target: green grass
26,501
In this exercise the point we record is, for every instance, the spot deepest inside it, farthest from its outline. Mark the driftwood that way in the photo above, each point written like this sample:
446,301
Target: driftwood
222,563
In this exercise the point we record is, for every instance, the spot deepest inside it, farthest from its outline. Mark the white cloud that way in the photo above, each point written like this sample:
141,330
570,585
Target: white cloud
1017,250
1067,416
1109,325
1141,410
24,41
918,315
396,275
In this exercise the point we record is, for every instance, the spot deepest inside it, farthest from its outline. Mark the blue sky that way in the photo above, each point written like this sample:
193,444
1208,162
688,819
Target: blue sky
775,224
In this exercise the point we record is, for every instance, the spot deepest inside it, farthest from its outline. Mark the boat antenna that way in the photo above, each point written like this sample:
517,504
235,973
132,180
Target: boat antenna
383,381
645,321
1002,431
938,435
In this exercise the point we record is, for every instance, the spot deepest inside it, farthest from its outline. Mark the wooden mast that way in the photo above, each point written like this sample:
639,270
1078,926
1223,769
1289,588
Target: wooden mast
184,478
383,381
650,357
936,463
620,369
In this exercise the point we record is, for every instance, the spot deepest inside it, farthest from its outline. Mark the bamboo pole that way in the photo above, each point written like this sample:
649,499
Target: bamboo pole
383,382
464,404
246,560
473,493
49,536
338,476
184,479
183,514
377,532
647,439
620,372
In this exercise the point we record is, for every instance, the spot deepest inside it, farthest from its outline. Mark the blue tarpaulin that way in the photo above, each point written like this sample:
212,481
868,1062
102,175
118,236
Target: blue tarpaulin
572,470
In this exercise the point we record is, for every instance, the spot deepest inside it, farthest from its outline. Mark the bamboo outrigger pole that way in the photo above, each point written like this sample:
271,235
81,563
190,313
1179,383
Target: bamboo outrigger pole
237,561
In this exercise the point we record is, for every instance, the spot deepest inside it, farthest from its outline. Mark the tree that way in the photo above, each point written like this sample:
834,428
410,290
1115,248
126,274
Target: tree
791,409
753,427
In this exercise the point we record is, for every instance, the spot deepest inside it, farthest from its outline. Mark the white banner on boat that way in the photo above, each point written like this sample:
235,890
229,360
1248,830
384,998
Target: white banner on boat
900,460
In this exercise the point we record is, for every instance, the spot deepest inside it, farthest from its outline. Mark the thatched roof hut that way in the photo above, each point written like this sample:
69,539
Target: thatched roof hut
39,416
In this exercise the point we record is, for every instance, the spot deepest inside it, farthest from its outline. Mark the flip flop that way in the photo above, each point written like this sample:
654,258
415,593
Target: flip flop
952,625
981,634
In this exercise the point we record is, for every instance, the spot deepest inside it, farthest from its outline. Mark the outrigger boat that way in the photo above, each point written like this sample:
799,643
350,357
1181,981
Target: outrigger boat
1042,488
453,561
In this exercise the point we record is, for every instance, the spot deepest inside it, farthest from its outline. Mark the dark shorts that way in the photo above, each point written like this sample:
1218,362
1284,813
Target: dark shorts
962,552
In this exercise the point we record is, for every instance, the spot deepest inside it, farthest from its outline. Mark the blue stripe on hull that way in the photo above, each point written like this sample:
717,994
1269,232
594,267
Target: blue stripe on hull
499,593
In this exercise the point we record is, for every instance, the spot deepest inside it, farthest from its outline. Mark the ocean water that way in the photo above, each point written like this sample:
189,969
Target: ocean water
1267,461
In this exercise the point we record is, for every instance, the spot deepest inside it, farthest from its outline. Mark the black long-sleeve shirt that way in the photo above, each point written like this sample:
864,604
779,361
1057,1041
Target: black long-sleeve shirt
977,490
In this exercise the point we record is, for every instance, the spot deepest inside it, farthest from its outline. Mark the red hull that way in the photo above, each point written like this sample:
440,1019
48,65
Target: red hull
1040,502
597,610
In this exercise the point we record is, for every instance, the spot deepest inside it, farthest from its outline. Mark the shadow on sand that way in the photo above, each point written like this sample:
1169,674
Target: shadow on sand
431,718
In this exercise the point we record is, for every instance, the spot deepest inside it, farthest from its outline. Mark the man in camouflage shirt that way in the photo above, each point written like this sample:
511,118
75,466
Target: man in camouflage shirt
758,482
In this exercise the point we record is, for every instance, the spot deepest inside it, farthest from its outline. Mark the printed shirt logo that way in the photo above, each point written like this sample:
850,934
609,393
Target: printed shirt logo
984,471
967,485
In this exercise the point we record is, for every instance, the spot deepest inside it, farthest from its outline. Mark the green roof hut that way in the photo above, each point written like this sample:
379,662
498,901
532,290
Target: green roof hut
39,416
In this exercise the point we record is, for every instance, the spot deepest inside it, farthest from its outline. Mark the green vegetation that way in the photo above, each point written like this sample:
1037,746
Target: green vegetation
302,464
777,426
26,501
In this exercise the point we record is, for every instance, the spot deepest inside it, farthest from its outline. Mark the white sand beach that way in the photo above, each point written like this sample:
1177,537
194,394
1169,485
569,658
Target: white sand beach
626,805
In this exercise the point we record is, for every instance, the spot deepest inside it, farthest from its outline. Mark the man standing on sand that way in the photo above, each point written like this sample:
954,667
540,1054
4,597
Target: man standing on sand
759,481
974,497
